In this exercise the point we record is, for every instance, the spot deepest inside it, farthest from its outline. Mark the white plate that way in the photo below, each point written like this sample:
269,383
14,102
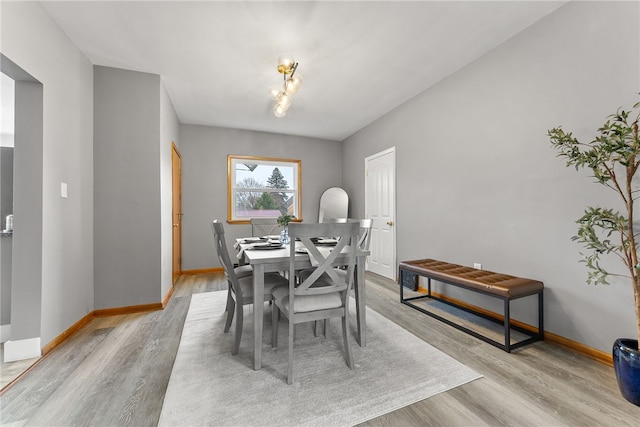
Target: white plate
267,246
253,239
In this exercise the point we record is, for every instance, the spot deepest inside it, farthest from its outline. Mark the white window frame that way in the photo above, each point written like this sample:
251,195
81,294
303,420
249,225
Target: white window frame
294,187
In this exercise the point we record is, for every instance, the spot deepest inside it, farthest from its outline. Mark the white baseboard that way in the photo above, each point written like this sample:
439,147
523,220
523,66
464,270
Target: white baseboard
5,332
22,349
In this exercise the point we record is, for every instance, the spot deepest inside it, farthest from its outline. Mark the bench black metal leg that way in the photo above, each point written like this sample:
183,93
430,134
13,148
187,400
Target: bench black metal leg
540,316
507,327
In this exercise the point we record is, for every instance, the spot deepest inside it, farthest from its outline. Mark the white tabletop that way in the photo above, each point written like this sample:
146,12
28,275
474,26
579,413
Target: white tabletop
268,256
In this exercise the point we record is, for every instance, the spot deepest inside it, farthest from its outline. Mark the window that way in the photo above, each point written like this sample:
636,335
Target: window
261,187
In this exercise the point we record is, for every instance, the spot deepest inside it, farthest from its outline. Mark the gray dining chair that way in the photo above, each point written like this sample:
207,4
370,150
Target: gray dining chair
264,227
364,242
364,236
240,288
241,271
324,293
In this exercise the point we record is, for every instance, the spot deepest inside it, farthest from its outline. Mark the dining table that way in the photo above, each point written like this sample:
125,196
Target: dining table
276,258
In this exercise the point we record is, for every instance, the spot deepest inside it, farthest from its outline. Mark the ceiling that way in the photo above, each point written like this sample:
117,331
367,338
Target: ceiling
358,60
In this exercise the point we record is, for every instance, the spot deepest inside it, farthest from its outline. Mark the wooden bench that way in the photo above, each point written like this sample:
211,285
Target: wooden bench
502,286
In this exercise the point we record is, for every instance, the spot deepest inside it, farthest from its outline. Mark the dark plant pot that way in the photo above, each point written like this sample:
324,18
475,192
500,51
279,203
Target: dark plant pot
626,362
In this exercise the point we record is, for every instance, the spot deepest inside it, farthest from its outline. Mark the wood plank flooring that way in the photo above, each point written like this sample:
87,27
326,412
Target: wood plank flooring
115,371
9,371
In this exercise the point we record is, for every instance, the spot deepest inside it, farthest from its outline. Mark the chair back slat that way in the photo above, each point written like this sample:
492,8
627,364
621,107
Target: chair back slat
365,234
346,235
223,256
364,239
264,227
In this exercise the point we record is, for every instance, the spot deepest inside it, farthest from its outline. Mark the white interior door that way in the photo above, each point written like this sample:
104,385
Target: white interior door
380,205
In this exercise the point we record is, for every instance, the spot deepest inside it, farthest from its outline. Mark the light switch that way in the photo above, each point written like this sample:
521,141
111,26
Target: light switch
63,190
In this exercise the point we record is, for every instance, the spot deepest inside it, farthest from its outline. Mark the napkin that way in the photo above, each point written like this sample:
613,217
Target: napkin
245,246
245,240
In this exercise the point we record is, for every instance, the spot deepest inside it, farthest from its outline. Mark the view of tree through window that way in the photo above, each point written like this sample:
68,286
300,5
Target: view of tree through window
262,187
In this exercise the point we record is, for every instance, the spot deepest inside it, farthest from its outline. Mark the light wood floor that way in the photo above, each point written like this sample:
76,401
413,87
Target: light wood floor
115,372
9,371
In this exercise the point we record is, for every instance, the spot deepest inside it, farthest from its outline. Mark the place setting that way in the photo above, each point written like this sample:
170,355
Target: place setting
324,241
257,243
265,246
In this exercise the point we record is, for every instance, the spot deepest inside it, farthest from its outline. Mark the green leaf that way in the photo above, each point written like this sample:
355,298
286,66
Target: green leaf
616,148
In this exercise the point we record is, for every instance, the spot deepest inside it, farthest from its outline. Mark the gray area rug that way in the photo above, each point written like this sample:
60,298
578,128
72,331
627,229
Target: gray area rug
209,386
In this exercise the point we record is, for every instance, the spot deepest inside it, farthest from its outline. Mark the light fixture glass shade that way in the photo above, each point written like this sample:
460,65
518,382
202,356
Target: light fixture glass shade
274,93
291,85
279,111
285,64
284,100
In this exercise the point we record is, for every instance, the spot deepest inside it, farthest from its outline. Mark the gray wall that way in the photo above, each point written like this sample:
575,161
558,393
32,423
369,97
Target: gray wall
478,181
26,259
6,208
5,288
169,128
204,180
65,261
6,189
127,223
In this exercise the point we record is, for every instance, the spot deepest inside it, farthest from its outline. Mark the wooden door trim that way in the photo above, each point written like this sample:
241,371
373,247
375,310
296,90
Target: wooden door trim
175,274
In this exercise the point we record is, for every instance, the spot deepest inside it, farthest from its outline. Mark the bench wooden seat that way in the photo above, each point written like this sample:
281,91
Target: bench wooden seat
496,285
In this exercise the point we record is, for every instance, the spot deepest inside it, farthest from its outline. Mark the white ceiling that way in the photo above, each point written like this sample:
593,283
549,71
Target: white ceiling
358,60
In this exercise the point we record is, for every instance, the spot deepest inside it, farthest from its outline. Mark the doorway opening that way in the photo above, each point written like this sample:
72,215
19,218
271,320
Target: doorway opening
21,287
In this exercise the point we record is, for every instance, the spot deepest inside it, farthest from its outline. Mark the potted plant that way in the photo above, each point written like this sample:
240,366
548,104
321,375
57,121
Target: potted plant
283,221
614,158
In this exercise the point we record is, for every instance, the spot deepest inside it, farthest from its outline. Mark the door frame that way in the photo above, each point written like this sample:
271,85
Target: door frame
391,150
176,212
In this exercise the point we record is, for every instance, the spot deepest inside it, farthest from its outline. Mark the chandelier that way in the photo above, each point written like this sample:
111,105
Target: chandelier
287,66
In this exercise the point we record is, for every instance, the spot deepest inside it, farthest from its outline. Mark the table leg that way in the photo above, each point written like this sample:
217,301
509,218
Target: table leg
258,309
361,301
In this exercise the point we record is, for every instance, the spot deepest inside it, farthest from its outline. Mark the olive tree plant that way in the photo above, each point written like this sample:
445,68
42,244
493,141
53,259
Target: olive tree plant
614,158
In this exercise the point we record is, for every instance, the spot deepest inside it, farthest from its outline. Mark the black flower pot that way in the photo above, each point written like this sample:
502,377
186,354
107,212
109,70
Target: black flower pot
626,362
